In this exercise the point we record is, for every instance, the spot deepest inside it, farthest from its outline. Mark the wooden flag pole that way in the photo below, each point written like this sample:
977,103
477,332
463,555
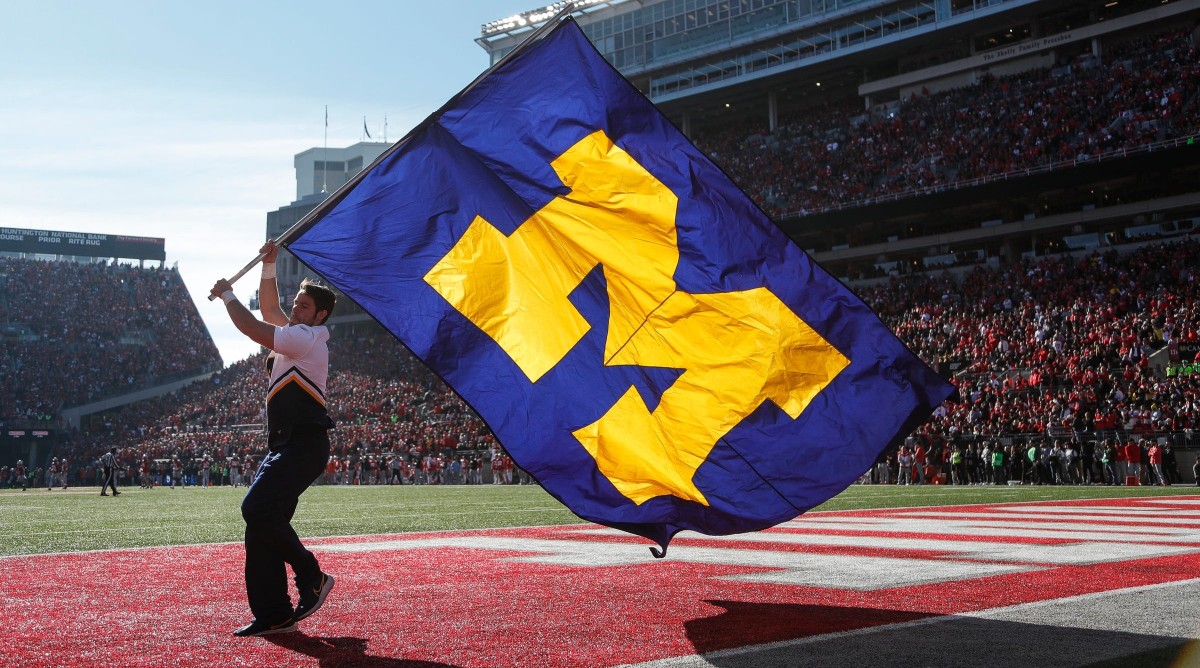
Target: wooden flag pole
329,202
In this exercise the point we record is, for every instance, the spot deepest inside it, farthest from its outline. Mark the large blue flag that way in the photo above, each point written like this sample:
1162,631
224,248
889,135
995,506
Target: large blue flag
641,338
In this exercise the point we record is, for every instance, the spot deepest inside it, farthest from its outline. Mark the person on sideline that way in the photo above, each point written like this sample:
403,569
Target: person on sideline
109,461
52,474
298,444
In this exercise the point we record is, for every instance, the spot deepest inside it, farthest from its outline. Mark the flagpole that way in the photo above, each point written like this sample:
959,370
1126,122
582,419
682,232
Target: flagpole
332,200
325,155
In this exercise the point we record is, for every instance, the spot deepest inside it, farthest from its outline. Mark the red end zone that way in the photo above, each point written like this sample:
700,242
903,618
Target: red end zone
587,596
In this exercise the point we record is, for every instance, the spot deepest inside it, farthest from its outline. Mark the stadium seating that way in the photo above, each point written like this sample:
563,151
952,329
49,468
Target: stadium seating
1055,348
1059,348
383,400
1140,92
76,333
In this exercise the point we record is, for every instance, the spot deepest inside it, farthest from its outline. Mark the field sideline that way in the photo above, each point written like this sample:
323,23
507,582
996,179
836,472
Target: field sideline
484,576
38,521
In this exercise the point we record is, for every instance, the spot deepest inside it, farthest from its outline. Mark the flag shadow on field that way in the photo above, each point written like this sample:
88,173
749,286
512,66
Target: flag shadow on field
773,635
344,652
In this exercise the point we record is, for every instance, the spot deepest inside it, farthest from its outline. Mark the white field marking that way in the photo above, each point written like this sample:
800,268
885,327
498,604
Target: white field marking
996,612
999,529
295,521
792,568
1043,500
1084,530
1032,514
849,516
1100,511
1097,550
870,491
703,660
308,540
1078,517
491,510
928,493
997,516
1063,530
941,491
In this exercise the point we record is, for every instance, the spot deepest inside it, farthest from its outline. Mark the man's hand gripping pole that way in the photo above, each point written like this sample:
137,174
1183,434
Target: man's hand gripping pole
245,269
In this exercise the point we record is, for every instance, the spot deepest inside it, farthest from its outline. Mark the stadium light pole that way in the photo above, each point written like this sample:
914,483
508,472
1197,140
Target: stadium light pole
338,195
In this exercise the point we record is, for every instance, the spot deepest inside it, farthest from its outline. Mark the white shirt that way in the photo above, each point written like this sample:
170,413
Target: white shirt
303,349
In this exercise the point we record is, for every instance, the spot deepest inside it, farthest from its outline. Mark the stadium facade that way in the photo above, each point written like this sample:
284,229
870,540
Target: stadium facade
80,246
319,172
710,65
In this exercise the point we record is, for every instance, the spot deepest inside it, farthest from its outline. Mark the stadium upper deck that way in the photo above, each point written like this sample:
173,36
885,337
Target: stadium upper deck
707,62
746,77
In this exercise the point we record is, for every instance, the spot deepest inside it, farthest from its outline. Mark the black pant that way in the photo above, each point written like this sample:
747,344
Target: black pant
270,540
110,478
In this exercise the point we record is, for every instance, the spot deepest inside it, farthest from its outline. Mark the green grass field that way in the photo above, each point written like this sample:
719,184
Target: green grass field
38,522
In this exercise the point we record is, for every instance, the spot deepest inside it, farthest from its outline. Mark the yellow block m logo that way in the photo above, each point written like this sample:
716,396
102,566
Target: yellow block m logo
736,349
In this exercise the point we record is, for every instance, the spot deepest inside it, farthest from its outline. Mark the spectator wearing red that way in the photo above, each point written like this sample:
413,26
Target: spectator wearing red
1133,459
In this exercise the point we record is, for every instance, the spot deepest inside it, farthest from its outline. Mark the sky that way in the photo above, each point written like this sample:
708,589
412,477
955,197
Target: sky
180,120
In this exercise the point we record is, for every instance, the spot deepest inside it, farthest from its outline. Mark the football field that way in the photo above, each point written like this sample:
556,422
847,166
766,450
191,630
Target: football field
505,576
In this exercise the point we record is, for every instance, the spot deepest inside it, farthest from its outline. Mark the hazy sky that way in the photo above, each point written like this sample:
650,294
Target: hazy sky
180,119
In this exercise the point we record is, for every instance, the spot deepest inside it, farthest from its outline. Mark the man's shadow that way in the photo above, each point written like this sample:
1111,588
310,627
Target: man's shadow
347,652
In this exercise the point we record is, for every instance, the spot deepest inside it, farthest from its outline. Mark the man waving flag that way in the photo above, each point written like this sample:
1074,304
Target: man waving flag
642,339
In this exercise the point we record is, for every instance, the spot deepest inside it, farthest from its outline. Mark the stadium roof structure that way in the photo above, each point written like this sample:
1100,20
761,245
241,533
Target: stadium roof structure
81,244
519,24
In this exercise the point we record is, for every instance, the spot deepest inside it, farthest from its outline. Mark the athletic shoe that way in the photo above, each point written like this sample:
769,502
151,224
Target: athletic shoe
257,628
313,597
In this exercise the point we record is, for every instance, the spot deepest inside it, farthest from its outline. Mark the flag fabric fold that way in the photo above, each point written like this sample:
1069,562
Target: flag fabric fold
640,337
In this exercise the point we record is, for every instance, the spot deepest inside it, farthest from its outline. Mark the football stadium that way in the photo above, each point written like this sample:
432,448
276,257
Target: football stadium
762,333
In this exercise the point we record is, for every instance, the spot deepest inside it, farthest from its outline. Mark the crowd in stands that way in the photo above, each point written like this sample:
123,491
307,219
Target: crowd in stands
1050,353
1057,350
386,404
1059,345
73,333
1139,92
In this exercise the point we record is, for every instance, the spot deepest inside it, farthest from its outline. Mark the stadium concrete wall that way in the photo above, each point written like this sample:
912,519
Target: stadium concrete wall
72,416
